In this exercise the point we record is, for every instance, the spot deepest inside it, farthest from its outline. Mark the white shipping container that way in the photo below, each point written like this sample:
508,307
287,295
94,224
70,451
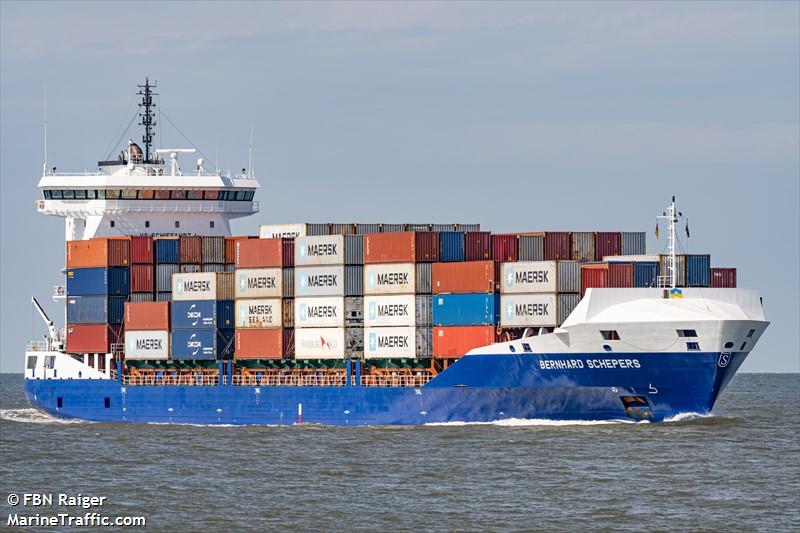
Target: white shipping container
258,283
392,278
319,343
146,345
269,231
390,310
194,286
319,281
319,312
319,250
259,313
390,342
528,310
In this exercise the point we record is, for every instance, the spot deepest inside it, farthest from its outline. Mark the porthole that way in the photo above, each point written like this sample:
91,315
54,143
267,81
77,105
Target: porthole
511,348
729,344
606,347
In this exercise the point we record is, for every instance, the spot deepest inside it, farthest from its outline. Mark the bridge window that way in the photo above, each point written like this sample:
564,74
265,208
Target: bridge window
687,333
128,194
57,195
693,346
179,195
113,194
241,195
146,194
80,195
100,194
610,334
69,194
161,195
194,195
212,195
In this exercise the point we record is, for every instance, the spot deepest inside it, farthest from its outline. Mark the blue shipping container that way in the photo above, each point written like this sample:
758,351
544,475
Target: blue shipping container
645,274
167,250
194,344
95,309
194,314
451,246
465,309
698,270
226,317
226,340
114,281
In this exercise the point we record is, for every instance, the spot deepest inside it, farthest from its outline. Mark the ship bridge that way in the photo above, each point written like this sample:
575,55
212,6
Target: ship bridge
147,193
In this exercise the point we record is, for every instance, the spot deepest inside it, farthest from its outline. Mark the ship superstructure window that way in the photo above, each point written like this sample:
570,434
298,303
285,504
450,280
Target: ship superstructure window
146,223
113,194
113,223
80,195
129,194
609,334
687,333
179,195
31,362
211,195
751,333
177,224
194,195
49,361
210,223
729,344
146,194
69,194
693,346
511,348
161,195
526,347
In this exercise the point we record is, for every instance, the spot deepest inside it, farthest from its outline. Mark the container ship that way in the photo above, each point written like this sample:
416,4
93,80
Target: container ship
171,319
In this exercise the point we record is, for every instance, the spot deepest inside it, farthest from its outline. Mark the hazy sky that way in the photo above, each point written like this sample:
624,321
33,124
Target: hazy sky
520,116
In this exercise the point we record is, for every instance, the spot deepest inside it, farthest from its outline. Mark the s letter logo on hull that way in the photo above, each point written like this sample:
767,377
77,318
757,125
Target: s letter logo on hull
724,359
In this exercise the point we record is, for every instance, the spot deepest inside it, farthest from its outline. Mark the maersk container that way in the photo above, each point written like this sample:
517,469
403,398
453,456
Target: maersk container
390,278
698,270
264,343
211,267
226,314
477,245
95,309
723,277
680,268
531,247
557,246
645,274
451,246
112,281
288,282
213,250
167,249
202,286
607,243
329,250
362,229
505,247
147,344
194,344
327,343
525,310
199,314
142,250
272,231
397,310
337,280
397,342
329,312
423,278
634,243
465,309
540,277
583,248
259,283
259,313
191,268
191,249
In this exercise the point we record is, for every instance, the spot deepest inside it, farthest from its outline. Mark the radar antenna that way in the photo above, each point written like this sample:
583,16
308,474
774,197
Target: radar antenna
672,215
146,115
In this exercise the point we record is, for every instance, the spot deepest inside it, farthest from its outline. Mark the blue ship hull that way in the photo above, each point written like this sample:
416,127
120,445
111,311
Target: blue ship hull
476,388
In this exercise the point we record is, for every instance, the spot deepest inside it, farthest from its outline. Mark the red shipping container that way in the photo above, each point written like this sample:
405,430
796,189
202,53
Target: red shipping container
477,245
557,246
263,253
600,275
454,341
724,278
92,338
401,247
141,249
142,278
146,316
505,247
98,252
607,243
462,278
264,343
230,247
191,249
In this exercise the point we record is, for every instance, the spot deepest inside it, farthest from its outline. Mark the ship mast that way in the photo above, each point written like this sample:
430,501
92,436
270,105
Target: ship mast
672,215
146,114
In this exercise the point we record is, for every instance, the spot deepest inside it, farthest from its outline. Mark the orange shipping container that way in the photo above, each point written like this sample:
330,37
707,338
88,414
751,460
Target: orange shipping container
600,275
264,253
191,249
146,316
92,338
264,343
462,278
99,252
401,247
454,341
230,247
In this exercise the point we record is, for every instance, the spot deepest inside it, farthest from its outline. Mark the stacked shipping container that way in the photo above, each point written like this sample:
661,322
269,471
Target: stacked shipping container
202,315
538,293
